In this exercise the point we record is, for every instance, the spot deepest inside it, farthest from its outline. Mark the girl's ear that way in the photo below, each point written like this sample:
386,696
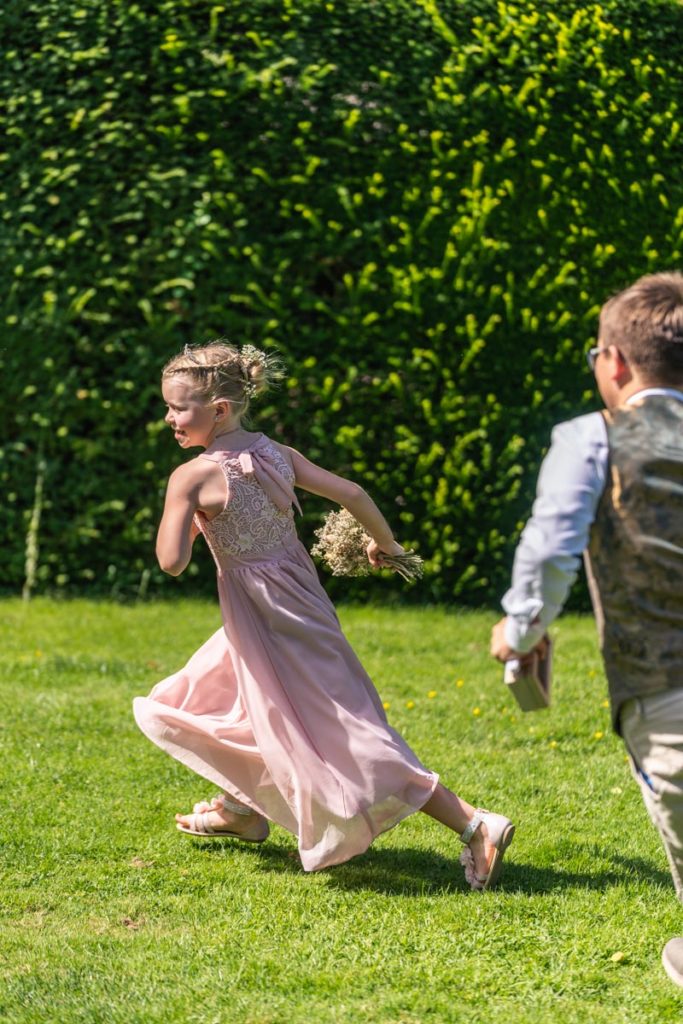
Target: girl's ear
222,410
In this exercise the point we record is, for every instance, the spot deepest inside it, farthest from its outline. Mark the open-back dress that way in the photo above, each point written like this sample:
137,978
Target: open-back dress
275,708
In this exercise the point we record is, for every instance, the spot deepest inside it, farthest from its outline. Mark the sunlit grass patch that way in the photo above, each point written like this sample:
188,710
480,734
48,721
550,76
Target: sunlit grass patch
108,914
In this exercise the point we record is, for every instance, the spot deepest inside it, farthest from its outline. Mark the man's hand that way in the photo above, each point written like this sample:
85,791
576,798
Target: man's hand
499,646
500,650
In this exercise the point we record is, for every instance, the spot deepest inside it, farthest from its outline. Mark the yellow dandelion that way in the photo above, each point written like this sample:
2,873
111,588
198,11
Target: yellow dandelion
476,712
459,682
38,654
598,735
386,705
432,694
616,957
605,704
552,744
592,673
410,704
513,719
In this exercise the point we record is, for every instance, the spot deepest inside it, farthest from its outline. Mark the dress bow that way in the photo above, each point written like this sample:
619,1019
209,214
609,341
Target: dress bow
279,490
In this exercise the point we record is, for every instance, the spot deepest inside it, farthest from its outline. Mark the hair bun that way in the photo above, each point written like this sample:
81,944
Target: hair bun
260,369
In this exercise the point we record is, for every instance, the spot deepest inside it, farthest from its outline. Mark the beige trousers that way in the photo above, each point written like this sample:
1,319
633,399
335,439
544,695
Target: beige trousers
652,728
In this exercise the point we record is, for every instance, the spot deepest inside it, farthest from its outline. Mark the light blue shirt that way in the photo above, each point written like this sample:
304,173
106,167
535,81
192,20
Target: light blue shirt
570,485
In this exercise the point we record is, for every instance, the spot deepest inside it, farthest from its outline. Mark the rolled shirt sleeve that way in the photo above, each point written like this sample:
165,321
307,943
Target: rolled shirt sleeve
570,484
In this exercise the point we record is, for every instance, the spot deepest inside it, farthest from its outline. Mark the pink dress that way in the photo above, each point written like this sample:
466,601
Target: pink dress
275,708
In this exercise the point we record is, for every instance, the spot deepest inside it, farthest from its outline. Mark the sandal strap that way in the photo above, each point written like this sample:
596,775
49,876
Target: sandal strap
198,823
472,825
230,805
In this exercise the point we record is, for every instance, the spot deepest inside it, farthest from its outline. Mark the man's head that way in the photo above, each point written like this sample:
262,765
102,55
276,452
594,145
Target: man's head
641,337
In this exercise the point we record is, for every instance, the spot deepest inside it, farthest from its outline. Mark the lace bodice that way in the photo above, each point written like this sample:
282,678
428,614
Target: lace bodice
258,515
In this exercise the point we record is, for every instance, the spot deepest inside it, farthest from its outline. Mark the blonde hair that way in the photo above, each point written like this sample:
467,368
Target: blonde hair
220,371
645,321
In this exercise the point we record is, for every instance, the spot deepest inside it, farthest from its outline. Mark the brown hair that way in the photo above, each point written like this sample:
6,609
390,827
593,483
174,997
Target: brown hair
220,371
645,321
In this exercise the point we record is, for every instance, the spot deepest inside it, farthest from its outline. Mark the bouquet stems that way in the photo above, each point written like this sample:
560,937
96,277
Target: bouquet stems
342,544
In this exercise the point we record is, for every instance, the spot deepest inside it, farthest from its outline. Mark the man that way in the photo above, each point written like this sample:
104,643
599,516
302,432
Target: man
611,486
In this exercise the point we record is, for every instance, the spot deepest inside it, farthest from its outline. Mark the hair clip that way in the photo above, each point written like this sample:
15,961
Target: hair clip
189,354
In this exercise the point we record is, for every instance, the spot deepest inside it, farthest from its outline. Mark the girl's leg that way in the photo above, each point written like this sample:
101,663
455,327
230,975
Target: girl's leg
449,809
454,813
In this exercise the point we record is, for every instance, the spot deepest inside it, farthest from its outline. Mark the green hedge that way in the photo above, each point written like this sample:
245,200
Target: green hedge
420,204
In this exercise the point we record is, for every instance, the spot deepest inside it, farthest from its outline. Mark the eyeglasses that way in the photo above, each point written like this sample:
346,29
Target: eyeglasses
592,355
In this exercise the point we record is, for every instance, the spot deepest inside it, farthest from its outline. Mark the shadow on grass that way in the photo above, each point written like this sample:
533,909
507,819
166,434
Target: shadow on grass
410,872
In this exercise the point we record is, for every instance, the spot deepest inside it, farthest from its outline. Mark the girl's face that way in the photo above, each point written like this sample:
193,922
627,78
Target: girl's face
192,420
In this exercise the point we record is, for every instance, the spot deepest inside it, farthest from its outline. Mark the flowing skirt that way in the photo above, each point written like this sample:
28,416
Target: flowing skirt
276,709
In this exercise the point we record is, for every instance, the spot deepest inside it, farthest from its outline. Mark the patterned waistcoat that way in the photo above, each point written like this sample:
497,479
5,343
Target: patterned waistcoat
635,555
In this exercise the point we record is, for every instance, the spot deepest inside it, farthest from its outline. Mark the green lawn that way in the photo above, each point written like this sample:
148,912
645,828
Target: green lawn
110,915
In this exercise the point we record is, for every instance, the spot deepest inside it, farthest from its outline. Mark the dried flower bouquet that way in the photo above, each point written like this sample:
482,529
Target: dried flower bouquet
342,544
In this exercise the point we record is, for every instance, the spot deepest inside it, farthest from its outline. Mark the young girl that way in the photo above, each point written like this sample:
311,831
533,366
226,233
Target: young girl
275,708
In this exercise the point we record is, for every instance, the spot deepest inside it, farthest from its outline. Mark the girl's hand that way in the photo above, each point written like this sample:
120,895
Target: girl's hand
375,552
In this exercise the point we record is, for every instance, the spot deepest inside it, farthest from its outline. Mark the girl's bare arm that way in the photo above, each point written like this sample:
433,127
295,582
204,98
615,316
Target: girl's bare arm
175,535
194,486
351,496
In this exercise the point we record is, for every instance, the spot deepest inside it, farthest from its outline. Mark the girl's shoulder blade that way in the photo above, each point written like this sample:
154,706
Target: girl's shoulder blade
188,474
